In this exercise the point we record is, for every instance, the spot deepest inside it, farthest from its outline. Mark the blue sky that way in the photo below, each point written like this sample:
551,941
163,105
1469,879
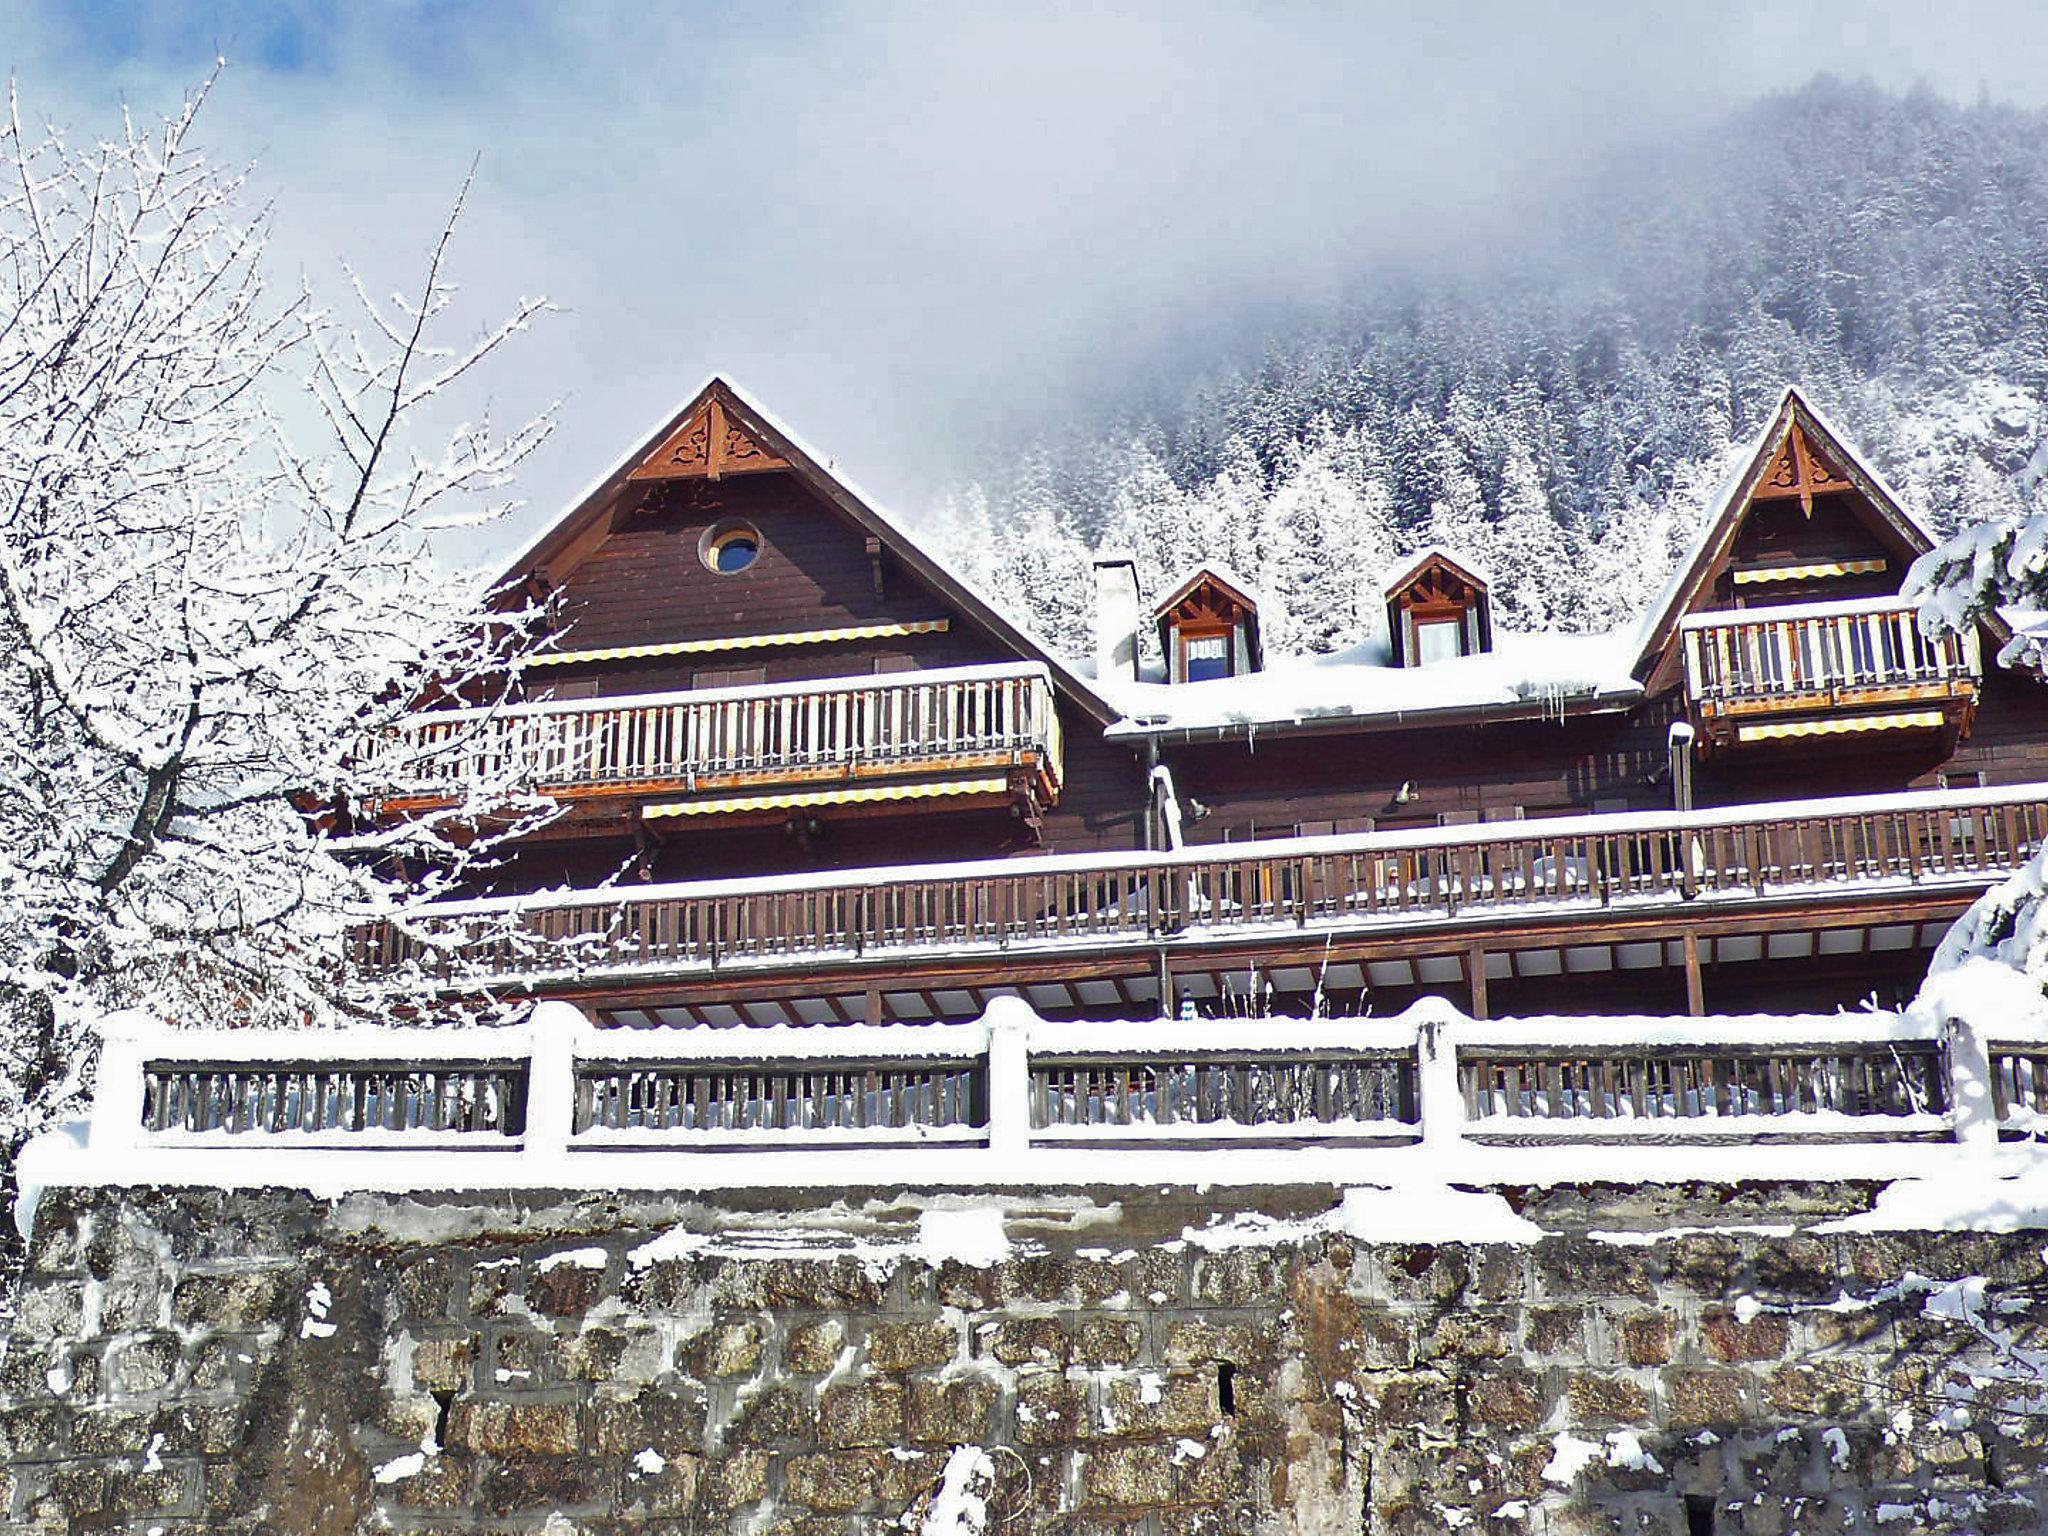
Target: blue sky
899,223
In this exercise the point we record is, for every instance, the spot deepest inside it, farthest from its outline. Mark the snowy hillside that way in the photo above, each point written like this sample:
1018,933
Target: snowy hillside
1559,411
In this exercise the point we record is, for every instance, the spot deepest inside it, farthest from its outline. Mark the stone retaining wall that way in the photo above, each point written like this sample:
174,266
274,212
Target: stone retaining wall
241,1363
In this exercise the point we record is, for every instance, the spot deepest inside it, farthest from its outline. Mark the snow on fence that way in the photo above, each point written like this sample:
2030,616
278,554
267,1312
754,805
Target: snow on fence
715,735
560,1101
1361,884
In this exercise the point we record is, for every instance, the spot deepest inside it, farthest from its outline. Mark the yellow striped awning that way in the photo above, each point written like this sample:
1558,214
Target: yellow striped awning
731,805
743,642
1806,572
1853,725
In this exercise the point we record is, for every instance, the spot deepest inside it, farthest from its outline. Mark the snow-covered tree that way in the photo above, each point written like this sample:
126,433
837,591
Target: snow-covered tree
216,503
1993,965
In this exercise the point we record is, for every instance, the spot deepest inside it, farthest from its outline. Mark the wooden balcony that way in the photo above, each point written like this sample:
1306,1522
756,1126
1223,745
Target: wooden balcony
1768,674
1502,876
953,733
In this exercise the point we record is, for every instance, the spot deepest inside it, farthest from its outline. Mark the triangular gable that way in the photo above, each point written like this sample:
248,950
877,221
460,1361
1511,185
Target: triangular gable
729,418
1434,555
711,444
1238,591
1797,456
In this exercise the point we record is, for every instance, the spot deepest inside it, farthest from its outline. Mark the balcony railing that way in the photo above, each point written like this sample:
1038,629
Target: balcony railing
1949,839
786,733
1822,655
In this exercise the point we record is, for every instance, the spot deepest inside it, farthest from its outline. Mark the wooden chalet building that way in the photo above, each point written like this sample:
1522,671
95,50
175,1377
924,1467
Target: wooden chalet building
809,776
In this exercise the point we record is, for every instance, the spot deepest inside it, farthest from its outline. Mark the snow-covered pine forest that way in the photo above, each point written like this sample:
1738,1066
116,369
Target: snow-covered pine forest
1559,411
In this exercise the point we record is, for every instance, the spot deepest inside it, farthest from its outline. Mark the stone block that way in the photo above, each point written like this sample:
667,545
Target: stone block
631,1355
1194,1343
670,1489
564,1289
1127,1475
729,1348
1697,1399
1457,1336
201,1429
1177,1403
497,1288
1510,1398
52,1310
1240,1277
1050,1408
444,1483
1595,1399
669,1423
858,1413
1030,1340
515,1428
909,1346
142,1365
101,1432
839,1482
1107,1341
443,1365
811,1349
941,1412
1554,1330
245,1300
784,1413
426,1289
1796,1269
737,1478
1728,1338
130,1302
1648,1338
534,1485
1575,1268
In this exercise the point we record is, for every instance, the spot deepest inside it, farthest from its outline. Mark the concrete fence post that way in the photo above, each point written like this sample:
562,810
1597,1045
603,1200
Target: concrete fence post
1972,1106
117,1095
551,1078
1009,1021
1439,1102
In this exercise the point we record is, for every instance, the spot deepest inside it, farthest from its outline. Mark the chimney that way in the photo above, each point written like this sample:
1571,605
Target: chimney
1116,617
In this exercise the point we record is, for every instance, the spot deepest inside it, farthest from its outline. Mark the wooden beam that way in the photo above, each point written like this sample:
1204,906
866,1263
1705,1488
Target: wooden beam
1695,992
1475,977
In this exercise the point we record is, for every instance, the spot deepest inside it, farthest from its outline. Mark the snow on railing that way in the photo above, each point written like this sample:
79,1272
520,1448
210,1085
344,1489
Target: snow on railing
691,739
1019,1099
1359,883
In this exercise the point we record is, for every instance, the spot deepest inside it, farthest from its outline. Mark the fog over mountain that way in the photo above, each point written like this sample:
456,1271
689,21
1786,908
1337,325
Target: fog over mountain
1559,405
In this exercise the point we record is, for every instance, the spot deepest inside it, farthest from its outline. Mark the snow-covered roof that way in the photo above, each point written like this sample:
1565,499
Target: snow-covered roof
1548,672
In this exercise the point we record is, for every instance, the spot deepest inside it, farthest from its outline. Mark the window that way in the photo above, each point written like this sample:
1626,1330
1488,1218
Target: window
1439,640
729,548
728,677
1208,656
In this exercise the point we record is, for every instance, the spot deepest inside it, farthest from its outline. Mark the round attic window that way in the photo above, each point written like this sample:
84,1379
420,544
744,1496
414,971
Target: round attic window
730,548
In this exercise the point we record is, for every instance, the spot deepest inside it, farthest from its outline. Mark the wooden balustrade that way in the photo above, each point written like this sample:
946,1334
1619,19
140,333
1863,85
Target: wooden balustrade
2019,1087
821,1096
1807,656
272,1098
1885,1079
1272,1091
958,717
1372,882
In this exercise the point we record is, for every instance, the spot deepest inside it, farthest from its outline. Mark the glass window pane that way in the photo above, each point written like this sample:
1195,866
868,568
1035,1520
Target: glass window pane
1439,640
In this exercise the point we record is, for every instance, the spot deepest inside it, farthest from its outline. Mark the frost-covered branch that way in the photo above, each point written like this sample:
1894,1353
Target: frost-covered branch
216,502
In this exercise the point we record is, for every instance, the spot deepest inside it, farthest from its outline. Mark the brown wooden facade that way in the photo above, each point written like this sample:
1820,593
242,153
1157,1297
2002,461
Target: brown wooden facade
754,674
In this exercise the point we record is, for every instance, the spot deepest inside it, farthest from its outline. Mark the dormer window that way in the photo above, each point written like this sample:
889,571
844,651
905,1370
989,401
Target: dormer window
1438,609
1208,628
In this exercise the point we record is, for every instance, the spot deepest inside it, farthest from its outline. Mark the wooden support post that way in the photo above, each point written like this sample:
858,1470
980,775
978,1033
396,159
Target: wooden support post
1695,992
1475,976
872,1010
1165,987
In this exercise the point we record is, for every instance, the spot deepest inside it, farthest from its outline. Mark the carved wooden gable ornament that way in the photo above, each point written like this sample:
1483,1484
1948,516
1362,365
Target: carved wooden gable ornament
710,445
1798,470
